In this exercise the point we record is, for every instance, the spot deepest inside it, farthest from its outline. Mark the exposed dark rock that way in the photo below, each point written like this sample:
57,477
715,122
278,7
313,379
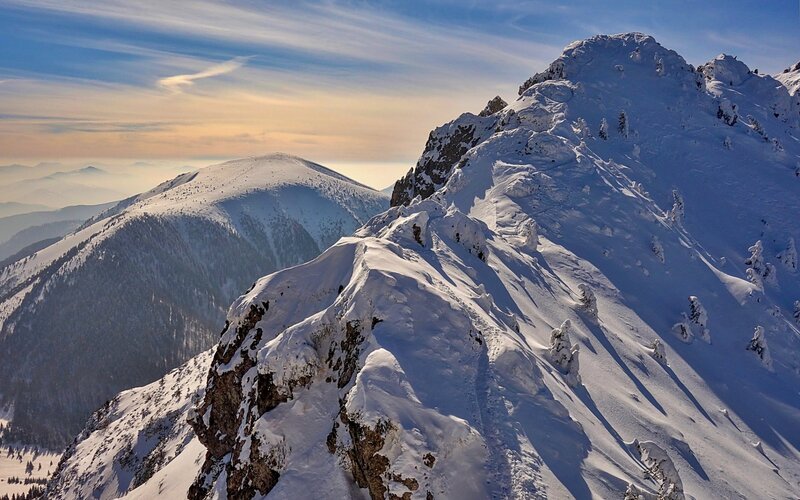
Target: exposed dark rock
445,148
493,106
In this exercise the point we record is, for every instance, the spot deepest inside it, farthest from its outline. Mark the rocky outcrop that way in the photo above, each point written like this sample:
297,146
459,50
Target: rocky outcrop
445,147
493,106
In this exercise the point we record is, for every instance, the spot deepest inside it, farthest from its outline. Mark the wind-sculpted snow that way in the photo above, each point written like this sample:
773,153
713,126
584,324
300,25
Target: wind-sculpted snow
516,331
144,286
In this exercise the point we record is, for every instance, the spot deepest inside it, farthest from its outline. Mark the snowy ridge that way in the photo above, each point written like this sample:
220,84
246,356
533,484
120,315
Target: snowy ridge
598,297
181,252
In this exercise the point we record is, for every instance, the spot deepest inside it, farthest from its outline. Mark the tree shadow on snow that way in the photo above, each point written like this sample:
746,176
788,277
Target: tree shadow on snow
601,337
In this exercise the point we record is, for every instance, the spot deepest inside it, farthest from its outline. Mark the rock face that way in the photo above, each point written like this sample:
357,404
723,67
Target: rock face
154,274
414,360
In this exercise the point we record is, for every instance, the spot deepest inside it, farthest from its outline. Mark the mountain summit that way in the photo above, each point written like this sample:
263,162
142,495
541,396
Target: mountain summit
589,292
143,287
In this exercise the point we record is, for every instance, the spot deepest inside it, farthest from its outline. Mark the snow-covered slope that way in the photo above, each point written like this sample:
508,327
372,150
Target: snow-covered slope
595,298
791,78
133,437
144,286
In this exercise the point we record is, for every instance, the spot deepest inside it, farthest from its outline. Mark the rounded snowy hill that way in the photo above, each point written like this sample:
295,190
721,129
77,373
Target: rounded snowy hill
142,287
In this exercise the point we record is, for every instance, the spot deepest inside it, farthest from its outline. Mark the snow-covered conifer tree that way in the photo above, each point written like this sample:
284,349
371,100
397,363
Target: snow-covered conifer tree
603,133
759,271
788,257
757,127
633,493
588,301
728,143
758,344
563,354
660,66
796,313
676,213
622,125
582,129
699,317
727,112
530,235
657,351
657,248
756,259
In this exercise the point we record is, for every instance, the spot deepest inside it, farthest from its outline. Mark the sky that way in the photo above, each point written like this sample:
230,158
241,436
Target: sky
354,85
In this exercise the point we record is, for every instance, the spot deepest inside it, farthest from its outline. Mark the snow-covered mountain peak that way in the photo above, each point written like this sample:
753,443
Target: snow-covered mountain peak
601,56
727,69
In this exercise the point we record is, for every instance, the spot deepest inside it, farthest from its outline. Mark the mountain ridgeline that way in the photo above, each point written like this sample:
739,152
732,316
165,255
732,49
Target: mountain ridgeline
589,292
144,286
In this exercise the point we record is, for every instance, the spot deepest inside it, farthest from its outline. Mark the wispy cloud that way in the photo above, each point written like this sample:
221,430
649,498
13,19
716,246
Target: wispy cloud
178,82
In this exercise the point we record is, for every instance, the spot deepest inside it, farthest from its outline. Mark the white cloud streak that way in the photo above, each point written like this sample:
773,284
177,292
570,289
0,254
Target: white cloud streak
178,82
